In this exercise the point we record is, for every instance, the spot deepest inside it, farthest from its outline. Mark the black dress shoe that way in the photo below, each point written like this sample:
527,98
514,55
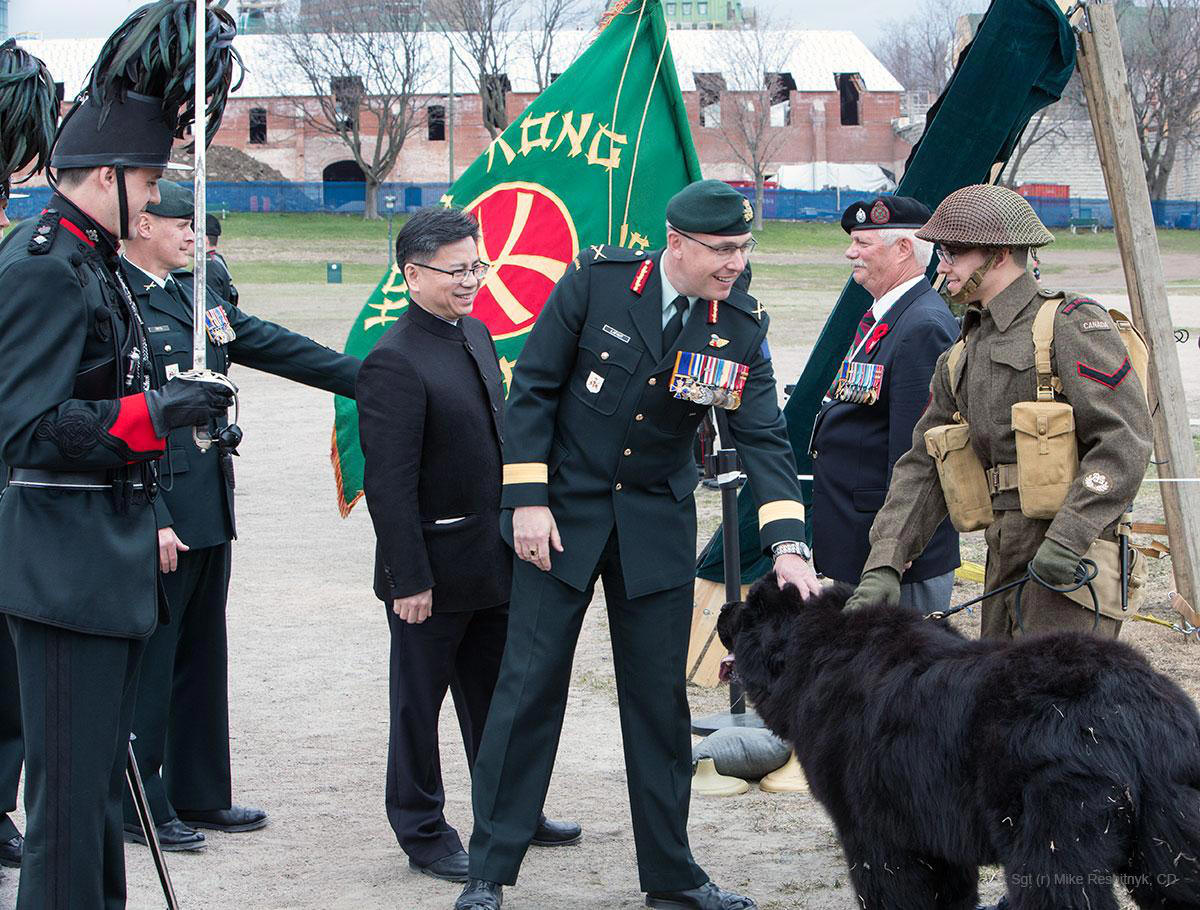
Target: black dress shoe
173,835
1001,904
452,868
231,820
480,895
550,833
707,897
10,851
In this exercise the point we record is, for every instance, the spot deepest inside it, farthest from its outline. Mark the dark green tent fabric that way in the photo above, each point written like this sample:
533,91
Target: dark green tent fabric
1020,61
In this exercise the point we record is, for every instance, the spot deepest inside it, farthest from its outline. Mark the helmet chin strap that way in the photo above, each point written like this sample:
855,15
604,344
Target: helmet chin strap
965,293
122,203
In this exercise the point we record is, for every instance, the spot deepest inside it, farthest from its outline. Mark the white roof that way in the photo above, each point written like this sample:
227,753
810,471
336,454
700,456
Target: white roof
812,58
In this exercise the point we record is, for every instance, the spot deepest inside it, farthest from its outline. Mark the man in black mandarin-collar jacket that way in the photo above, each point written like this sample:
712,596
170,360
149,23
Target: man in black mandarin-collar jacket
431,422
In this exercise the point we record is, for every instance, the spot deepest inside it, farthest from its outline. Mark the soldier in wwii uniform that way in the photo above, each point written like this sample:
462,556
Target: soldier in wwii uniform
597,483
985,234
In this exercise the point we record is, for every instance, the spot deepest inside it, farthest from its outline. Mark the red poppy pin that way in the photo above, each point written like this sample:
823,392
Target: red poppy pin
881,329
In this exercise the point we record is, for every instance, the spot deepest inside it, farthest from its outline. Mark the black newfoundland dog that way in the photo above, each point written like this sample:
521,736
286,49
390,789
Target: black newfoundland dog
1064,758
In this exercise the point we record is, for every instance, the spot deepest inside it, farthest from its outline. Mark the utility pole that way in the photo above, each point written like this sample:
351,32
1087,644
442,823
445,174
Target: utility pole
450,116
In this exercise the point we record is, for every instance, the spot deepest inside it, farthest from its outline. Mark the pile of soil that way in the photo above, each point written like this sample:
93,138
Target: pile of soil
224,162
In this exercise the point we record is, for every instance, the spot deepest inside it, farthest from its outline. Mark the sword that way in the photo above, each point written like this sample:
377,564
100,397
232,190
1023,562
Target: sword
138,792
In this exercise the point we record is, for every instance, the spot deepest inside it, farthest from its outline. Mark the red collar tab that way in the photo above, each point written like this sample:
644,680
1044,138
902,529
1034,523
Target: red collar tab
77,231
642,276
712,312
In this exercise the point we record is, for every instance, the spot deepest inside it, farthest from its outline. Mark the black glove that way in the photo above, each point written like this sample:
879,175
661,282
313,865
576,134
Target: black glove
186,403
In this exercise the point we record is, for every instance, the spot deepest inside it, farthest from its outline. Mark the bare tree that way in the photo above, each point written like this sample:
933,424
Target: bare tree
481,36
367,65
756,103
547,19
920,49
1161,41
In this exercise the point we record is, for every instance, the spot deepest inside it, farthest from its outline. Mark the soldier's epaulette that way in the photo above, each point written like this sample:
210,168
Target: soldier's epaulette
43,233
1074,301
603,252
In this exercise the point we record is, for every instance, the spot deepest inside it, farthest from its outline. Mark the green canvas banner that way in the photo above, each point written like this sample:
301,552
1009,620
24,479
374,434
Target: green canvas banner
592,160
1020,61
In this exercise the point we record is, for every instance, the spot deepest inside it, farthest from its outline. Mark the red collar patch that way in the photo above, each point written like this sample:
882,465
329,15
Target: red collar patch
712,312
642,276
76,230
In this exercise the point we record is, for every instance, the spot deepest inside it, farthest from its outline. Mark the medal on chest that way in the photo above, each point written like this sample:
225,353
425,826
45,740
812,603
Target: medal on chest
220,331
708,380
858,383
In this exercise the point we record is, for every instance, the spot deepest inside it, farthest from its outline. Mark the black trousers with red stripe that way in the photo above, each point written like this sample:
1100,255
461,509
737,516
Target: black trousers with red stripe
77,695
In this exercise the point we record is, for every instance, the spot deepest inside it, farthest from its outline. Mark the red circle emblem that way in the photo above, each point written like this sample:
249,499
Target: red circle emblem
526,233
880,214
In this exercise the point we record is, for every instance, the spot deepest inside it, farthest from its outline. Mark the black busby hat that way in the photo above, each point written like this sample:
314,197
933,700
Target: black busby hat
883,212
28,111
140,94
212,226
710,207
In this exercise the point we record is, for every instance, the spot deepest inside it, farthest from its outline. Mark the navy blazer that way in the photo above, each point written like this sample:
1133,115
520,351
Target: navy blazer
855,446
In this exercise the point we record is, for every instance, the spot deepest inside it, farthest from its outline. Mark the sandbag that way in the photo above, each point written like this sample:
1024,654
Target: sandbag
745,752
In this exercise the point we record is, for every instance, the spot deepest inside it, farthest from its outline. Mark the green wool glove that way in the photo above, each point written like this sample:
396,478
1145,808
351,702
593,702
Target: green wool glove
1055,564
878,586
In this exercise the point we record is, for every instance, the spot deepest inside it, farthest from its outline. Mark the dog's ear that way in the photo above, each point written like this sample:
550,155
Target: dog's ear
729,623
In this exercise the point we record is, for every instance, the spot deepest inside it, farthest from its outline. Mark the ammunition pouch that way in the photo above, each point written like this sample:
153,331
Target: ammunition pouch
1047,455
964,481
1106,554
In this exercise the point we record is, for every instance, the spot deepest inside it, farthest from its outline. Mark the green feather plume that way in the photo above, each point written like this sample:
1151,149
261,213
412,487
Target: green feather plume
28,111
153,52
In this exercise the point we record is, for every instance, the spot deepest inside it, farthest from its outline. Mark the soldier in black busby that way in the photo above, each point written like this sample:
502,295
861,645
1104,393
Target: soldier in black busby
82,426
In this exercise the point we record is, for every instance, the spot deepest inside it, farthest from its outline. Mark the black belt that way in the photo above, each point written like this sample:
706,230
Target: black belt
62,480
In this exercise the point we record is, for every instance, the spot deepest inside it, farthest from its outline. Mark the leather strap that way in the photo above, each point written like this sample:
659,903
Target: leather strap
1001,478
61,480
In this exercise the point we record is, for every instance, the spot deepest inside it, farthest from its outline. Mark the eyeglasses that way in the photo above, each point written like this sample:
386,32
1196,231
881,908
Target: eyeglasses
479,271
725,250
949,255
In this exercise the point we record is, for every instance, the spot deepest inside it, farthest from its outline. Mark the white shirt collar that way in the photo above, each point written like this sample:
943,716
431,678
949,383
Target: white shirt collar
885,303
161,282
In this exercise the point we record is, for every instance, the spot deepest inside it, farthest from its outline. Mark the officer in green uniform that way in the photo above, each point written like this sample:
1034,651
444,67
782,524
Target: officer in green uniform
217,273
597,483
985,234
29,112
81,427
182,715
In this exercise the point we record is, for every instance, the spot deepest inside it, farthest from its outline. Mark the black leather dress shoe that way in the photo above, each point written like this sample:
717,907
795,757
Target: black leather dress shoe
231,820
550,833
452,868
707,897
480,895
10,851
173,835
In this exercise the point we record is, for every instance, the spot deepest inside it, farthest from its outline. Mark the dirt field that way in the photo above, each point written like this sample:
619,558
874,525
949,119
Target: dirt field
308,670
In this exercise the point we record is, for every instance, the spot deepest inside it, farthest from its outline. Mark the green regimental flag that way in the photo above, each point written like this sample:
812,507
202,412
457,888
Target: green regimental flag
592,160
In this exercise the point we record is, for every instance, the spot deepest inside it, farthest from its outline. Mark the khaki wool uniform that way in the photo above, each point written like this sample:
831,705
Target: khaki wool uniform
1112,425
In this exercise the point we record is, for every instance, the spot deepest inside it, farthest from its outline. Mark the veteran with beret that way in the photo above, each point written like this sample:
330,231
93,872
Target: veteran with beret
598,480
1020,345
182,715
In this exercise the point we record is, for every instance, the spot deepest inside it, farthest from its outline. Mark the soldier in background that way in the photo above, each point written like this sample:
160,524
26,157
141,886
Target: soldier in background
985,234
220,279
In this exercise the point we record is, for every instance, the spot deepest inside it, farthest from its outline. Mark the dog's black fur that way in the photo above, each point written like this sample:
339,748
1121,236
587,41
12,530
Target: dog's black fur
1064,758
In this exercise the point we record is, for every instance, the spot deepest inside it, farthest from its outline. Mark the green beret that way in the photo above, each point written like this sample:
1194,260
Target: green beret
212,226
176,202
710,207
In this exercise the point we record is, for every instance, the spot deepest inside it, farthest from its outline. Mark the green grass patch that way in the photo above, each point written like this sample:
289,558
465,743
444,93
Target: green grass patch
307,230
274,272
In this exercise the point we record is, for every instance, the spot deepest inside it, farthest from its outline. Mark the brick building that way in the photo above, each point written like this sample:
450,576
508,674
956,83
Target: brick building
837,103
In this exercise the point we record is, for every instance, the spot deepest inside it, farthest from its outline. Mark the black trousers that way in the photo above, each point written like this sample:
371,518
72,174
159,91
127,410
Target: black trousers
182,714
12,745
459,652
512,770
77,695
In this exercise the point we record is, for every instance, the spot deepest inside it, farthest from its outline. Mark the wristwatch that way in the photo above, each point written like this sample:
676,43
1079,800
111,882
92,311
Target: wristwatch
793,547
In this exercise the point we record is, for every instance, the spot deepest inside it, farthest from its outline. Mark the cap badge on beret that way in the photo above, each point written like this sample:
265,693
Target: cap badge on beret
860,216
880,213
747,211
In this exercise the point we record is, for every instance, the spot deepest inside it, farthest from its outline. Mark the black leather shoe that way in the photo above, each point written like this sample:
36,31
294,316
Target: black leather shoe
231,820
550,833
480,895
11,850
173,835
707,897
452,868
1001,904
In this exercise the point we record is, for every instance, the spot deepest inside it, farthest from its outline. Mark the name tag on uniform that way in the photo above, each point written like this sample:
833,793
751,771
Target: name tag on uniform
620,336
858,383
594,382
217,323
158,328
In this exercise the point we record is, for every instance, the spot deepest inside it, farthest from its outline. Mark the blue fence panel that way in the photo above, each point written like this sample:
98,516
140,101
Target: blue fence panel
349,197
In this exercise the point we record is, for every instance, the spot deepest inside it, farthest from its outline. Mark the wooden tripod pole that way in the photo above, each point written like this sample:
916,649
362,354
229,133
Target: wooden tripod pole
1110,107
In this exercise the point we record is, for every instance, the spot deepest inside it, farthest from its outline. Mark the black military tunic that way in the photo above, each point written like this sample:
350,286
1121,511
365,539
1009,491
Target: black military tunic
78,549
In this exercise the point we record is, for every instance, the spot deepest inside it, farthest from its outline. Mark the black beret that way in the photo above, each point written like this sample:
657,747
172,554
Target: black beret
901,212
175,201
212,226
710,207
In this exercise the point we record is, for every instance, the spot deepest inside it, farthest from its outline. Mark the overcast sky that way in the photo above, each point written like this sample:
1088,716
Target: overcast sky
77,18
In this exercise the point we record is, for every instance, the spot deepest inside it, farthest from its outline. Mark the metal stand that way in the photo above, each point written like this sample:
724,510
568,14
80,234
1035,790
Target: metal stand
134,777
724,464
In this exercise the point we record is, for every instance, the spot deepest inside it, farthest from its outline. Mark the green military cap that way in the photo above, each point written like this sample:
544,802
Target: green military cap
710,207
176,201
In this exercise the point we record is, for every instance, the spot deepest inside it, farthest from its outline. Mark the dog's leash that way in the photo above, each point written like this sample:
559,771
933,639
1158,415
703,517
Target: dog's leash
1085,574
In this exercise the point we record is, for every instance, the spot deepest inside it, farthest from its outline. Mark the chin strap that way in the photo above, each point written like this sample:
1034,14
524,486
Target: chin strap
122,203
971,285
